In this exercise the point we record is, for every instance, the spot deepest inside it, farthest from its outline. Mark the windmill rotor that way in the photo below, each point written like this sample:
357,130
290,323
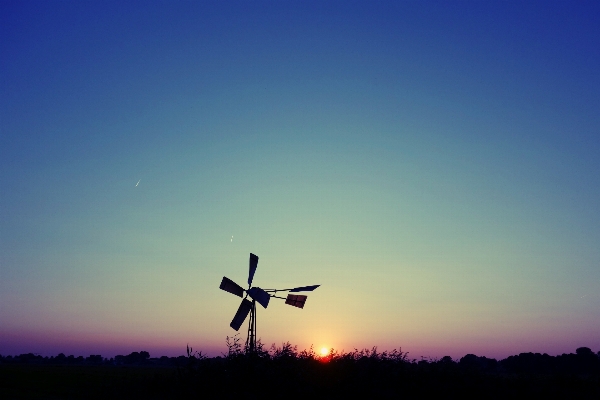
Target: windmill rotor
252,269
241,314
230,286
260,296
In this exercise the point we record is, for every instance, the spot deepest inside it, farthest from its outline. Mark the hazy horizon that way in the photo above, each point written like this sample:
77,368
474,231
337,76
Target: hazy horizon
434,166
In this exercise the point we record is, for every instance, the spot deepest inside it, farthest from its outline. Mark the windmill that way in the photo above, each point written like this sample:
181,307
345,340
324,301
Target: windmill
260,296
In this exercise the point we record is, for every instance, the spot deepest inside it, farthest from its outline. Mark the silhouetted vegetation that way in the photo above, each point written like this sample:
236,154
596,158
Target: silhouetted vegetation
283,370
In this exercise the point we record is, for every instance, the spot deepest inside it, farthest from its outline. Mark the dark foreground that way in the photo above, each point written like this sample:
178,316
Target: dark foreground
287,373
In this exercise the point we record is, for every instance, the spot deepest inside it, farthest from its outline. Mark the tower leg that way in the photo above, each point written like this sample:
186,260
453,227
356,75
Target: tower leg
253,342
251,339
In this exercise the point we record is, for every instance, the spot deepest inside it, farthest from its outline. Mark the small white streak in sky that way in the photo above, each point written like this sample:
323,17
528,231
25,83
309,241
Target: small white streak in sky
232,239
139,183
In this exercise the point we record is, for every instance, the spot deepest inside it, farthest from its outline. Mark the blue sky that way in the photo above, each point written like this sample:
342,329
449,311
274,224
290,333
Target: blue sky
433,165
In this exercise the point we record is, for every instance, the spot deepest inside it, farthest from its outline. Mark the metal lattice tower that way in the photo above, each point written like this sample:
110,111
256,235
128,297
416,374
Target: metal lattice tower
251,338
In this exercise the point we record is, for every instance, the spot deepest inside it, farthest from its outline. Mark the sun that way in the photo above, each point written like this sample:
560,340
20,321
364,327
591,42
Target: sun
324,351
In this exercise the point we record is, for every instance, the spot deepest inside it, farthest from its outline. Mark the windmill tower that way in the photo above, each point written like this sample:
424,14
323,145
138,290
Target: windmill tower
260,296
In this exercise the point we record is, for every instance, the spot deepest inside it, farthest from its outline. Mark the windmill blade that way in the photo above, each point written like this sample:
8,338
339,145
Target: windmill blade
296,300
241,314
259,295
253,266
230,286
305,288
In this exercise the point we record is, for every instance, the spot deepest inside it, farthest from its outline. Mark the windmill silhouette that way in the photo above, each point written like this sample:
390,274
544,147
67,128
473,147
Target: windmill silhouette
262,296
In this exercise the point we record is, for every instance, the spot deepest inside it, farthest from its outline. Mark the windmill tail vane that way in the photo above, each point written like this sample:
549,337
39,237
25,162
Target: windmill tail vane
260,296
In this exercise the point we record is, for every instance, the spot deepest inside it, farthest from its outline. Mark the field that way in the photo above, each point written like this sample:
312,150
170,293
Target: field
287,372
85,381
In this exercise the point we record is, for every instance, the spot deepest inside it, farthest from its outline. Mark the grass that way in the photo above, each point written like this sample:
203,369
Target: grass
285,371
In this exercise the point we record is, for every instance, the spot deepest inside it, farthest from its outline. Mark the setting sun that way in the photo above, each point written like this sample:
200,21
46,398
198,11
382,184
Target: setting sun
324,351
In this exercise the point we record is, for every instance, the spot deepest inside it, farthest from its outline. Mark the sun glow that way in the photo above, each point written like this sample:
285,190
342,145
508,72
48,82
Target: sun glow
324,351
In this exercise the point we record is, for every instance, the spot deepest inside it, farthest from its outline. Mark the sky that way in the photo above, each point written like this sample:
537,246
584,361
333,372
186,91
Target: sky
434,166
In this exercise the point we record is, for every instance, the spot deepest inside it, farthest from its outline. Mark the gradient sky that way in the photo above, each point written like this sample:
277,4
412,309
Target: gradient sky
435,166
